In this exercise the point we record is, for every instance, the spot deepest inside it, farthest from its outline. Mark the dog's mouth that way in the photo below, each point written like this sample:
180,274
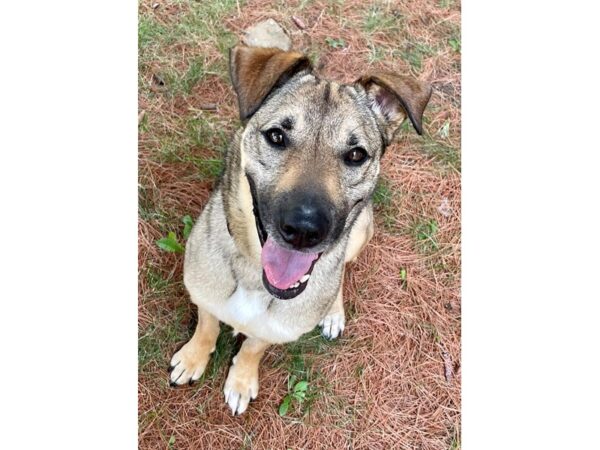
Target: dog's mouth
286,272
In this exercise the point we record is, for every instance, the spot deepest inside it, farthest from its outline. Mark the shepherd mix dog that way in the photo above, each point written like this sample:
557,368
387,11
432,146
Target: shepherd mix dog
268,253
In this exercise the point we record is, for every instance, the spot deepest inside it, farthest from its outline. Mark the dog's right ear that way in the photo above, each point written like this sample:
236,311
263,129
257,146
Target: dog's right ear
256,71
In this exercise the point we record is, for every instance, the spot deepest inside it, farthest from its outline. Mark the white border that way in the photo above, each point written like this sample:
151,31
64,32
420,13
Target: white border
530,218
68,187
68,171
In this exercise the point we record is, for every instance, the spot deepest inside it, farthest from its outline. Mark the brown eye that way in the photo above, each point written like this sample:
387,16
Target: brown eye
275,137
356,156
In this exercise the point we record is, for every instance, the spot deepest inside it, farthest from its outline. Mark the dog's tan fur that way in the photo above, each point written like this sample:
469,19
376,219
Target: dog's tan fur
223,271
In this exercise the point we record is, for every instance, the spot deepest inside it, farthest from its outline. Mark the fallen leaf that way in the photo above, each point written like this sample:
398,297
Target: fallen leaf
299,22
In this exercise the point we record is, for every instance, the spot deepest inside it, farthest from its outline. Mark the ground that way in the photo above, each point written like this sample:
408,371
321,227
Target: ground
393,379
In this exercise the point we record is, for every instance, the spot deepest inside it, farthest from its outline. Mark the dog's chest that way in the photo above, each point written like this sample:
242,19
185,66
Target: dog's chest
244,306
248,312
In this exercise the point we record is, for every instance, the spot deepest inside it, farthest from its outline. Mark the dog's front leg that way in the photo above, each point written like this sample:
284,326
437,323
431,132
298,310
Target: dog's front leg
188,364
334,322
242,381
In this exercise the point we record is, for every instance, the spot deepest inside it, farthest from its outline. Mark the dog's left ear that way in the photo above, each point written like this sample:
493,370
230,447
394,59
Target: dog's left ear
393,98
256,71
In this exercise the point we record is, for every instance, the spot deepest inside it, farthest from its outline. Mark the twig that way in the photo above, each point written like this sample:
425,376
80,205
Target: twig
447,364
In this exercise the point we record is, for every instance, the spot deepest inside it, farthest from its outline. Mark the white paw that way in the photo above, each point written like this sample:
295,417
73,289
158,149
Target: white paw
240,387
188,364
333,325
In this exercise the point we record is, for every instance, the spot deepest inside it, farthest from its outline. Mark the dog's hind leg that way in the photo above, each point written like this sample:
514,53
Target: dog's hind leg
188,364
242,381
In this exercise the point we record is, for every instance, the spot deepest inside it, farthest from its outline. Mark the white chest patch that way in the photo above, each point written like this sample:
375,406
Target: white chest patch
247,312
244,306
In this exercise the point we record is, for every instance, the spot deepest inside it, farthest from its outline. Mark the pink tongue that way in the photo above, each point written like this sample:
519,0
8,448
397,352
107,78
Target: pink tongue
284,267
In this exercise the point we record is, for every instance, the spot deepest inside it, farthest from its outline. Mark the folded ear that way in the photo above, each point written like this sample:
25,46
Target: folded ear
393,98
255,72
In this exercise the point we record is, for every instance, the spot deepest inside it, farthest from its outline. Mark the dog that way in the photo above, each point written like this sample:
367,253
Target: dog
292,208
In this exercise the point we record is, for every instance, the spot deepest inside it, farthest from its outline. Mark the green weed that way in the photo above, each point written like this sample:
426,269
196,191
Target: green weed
455,44
382,196
170,243
383,199
442,153
378,20
414,53
335,43
156,341
425,233
188,224
297,391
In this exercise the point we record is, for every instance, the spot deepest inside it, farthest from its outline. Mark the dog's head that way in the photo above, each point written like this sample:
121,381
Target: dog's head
310,151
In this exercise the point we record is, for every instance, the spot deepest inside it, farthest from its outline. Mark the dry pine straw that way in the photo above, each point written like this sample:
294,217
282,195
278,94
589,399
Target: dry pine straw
393,380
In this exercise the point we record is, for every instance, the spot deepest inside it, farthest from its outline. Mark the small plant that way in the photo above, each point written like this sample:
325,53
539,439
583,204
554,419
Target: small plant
335,43
194,73
296,393
188,224
415,52
425,233
170,243
382,196
403,276
378,20
455,44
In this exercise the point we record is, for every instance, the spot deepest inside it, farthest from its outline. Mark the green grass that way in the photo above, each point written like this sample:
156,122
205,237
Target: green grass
181,82
414,53
206,130
195,22
455,44
335,43
383,200
298,360
178,50
454,443
156,281
157,341
378,20
220,359
442,153
193,134
425,234
383,193
376,54
150,33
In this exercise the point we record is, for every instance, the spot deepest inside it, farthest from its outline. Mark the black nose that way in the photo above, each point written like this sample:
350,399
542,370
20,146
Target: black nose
304,224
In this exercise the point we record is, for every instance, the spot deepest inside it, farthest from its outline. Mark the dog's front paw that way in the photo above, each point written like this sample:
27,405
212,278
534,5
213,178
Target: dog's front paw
188,364
241,386
332,325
